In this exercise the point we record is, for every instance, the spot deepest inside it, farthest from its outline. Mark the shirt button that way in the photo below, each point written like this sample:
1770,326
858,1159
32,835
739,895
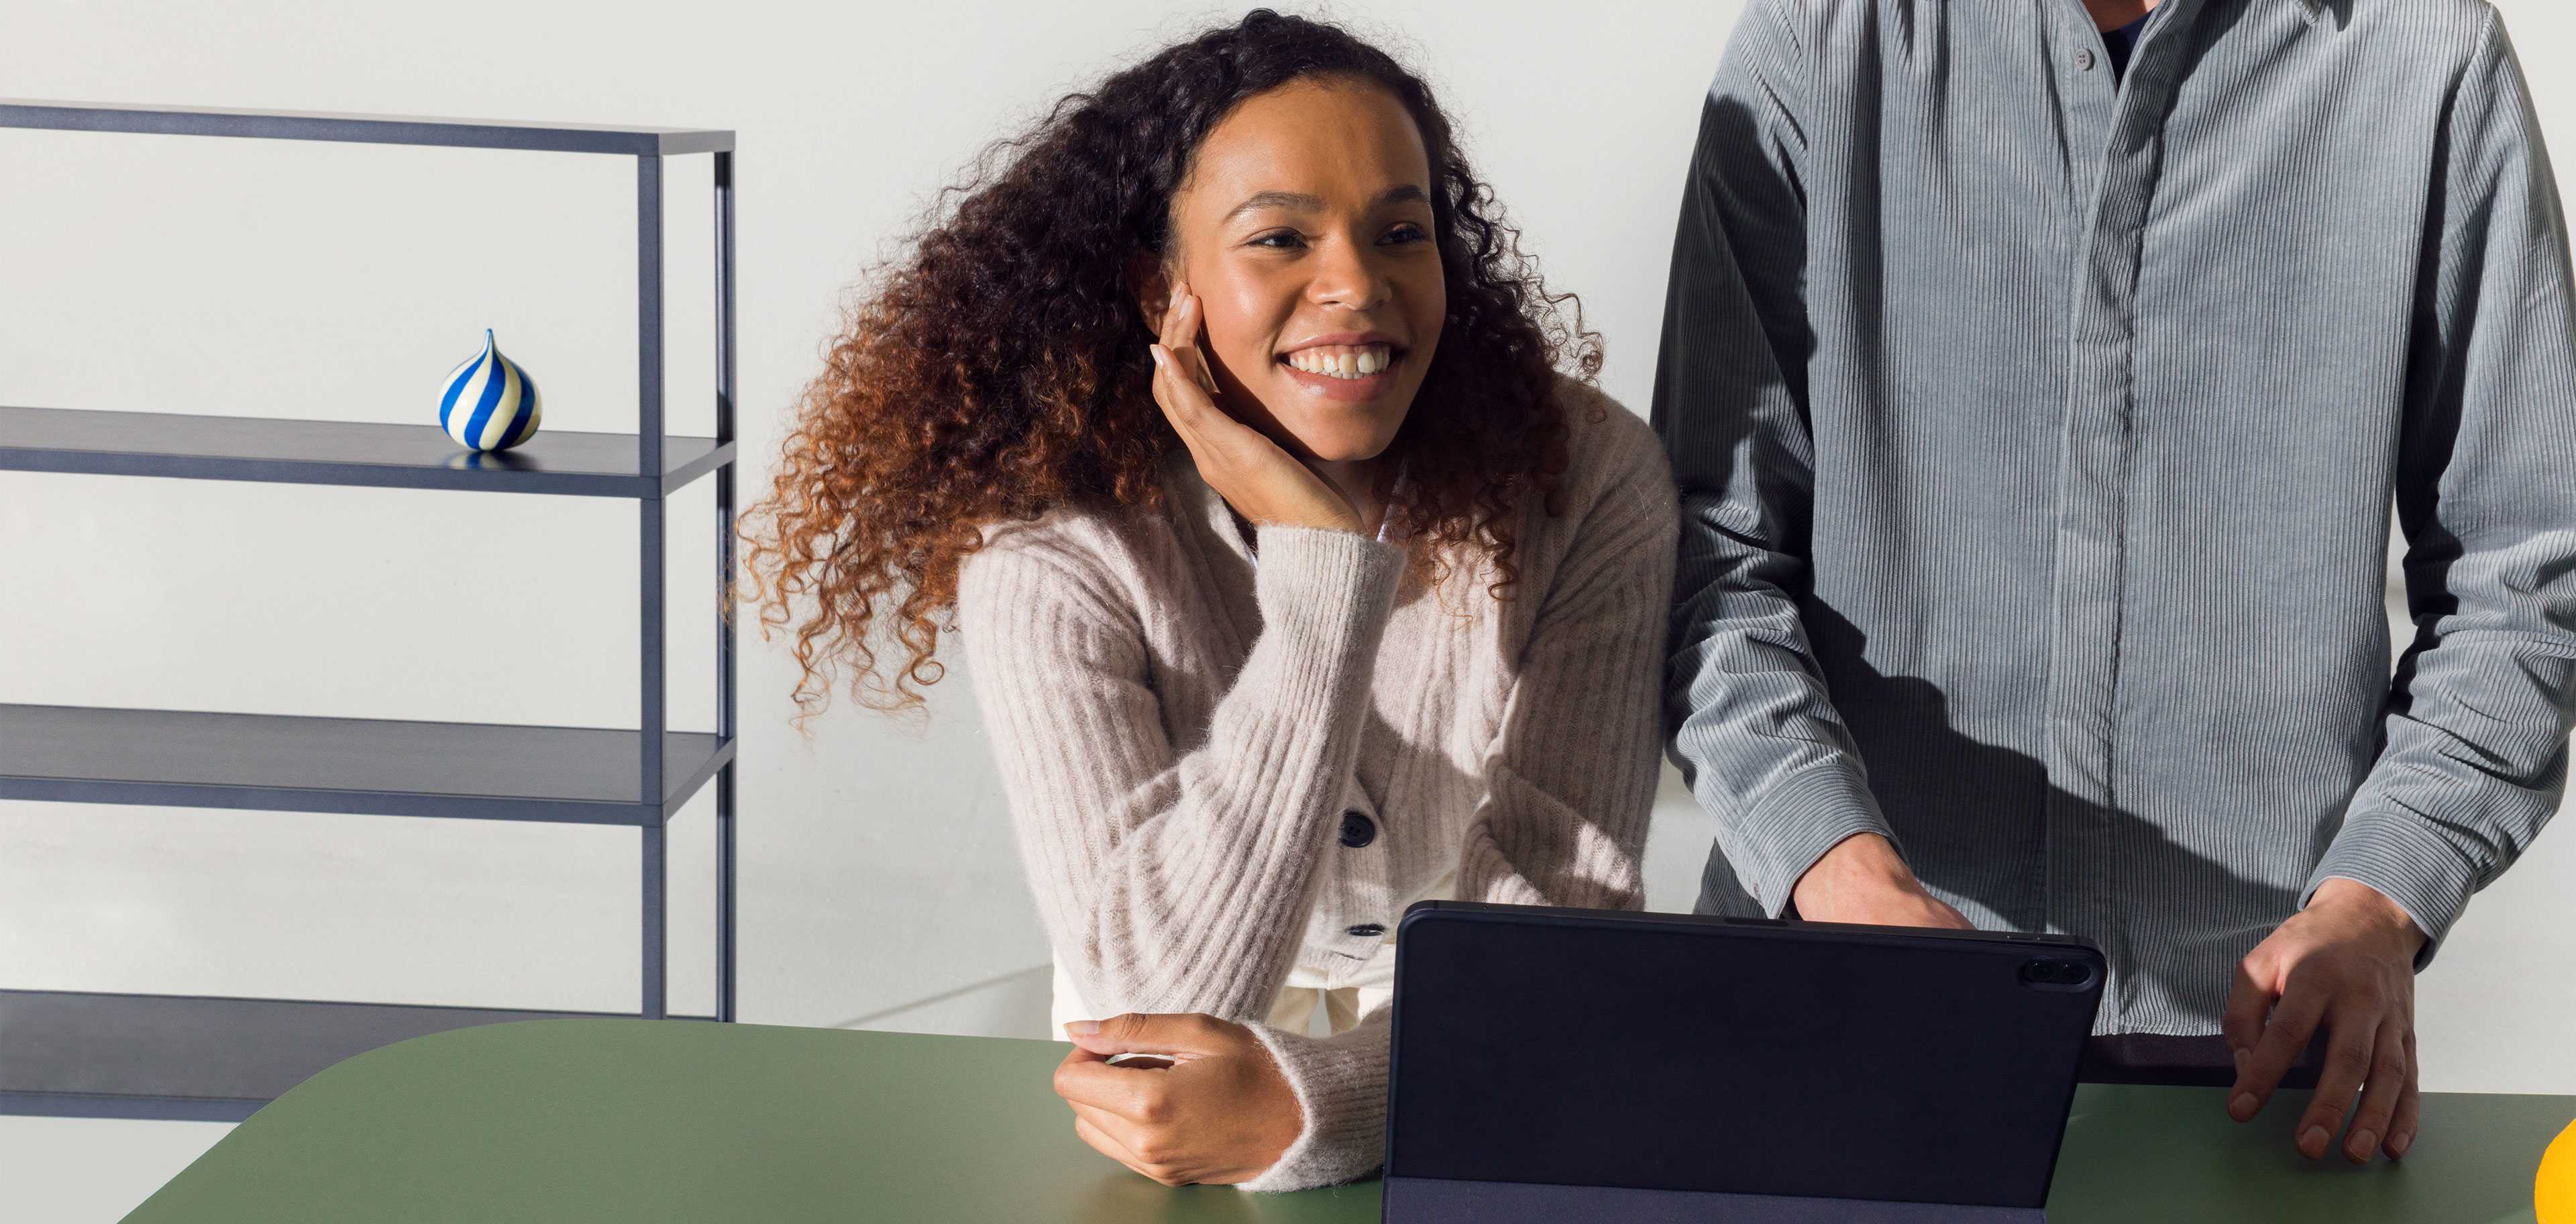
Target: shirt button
2084,59
1357,830
1368,930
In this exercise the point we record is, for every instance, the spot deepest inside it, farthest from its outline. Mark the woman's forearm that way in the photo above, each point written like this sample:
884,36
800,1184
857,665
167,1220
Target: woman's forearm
1177,881
1570,777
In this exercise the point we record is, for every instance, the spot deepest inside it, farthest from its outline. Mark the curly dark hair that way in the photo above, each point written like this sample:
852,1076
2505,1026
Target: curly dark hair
999,369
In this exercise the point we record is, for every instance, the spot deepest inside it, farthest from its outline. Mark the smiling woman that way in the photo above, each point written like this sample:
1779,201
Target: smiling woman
1302,572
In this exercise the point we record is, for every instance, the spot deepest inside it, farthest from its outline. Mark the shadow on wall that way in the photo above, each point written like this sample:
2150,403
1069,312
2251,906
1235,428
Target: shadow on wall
1014,1004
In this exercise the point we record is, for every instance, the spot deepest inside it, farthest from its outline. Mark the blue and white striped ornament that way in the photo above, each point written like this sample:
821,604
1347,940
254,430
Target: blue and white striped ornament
489,403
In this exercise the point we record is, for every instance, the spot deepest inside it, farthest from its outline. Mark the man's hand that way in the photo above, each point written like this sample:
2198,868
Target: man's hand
1862,880
2347,962
1222,1112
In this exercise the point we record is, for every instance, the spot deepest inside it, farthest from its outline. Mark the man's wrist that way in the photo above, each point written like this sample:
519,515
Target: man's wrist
1860,862
1866,855
2372,907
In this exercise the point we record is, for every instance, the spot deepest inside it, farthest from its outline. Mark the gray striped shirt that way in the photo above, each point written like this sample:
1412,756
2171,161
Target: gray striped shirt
2037,434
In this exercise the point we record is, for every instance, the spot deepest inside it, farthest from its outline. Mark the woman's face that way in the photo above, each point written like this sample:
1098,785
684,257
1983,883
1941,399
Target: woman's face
1305,230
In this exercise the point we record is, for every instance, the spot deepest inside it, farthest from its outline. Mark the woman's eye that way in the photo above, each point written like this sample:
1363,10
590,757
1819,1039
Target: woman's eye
1405,233
1280,240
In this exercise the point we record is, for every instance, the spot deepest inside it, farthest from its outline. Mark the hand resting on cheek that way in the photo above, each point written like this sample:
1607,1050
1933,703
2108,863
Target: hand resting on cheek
1261,481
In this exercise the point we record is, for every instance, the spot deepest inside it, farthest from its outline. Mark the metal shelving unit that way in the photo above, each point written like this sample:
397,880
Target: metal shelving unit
164,1056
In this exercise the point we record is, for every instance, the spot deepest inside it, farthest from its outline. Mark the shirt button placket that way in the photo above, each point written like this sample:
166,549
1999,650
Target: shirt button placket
2096,458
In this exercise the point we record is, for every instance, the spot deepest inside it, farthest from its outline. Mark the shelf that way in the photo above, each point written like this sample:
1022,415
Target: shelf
90,1055
193,447
77,1055
359,129
365,766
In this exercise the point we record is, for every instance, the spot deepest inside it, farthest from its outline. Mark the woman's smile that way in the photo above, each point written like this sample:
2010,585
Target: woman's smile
1345,368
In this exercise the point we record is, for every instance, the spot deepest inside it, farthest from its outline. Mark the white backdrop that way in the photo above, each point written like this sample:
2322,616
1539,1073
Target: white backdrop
306,280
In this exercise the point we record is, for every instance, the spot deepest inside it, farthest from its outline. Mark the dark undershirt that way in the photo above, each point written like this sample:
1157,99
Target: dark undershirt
2121,42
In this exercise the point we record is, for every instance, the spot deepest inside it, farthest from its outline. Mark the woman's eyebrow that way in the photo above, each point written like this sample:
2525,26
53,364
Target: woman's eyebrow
1302,202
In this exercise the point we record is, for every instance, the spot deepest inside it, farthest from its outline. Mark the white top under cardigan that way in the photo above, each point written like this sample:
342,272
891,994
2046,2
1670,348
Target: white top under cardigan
1179,733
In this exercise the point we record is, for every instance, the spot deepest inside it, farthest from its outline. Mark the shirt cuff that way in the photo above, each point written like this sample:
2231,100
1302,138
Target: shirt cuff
2400,857
1793,824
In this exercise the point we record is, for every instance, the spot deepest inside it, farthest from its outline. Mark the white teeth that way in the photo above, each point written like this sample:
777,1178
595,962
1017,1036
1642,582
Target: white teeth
1358,362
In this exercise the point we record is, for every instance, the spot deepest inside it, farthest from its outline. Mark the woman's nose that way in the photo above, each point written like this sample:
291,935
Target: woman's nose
1346,276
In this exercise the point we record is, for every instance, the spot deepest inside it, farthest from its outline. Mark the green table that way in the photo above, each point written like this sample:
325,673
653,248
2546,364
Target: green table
634,1120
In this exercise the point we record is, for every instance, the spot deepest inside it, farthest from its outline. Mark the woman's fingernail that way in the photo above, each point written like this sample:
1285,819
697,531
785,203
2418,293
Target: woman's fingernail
2362,1144
2242,1106
1157,351
1083,1028
2398,1143
2313,1141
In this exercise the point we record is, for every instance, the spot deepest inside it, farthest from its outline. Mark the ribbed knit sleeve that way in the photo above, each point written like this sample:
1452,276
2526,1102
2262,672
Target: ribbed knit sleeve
1340,1083
1170,881
1570,776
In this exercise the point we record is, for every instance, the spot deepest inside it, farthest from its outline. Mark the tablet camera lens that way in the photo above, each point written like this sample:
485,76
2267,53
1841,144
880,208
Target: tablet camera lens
2056,973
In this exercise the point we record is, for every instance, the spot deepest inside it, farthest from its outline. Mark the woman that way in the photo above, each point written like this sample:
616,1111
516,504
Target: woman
1296,581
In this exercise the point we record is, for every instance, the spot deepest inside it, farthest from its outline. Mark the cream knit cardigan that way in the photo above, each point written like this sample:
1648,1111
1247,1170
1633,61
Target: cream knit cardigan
1180,731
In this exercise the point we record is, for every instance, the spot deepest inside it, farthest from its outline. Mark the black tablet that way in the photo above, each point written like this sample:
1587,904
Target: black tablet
1554,1064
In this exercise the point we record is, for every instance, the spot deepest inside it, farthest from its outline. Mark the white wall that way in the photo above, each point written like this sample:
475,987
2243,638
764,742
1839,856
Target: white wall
306,280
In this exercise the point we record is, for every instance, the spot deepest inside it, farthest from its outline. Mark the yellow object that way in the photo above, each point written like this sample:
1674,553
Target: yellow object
2553,1194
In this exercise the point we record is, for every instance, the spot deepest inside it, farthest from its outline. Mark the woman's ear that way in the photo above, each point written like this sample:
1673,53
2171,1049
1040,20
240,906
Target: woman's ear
1151,285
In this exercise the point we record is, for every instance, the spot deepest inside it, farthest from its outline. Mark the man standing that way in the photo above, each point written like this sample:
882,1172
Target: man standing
2039,376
